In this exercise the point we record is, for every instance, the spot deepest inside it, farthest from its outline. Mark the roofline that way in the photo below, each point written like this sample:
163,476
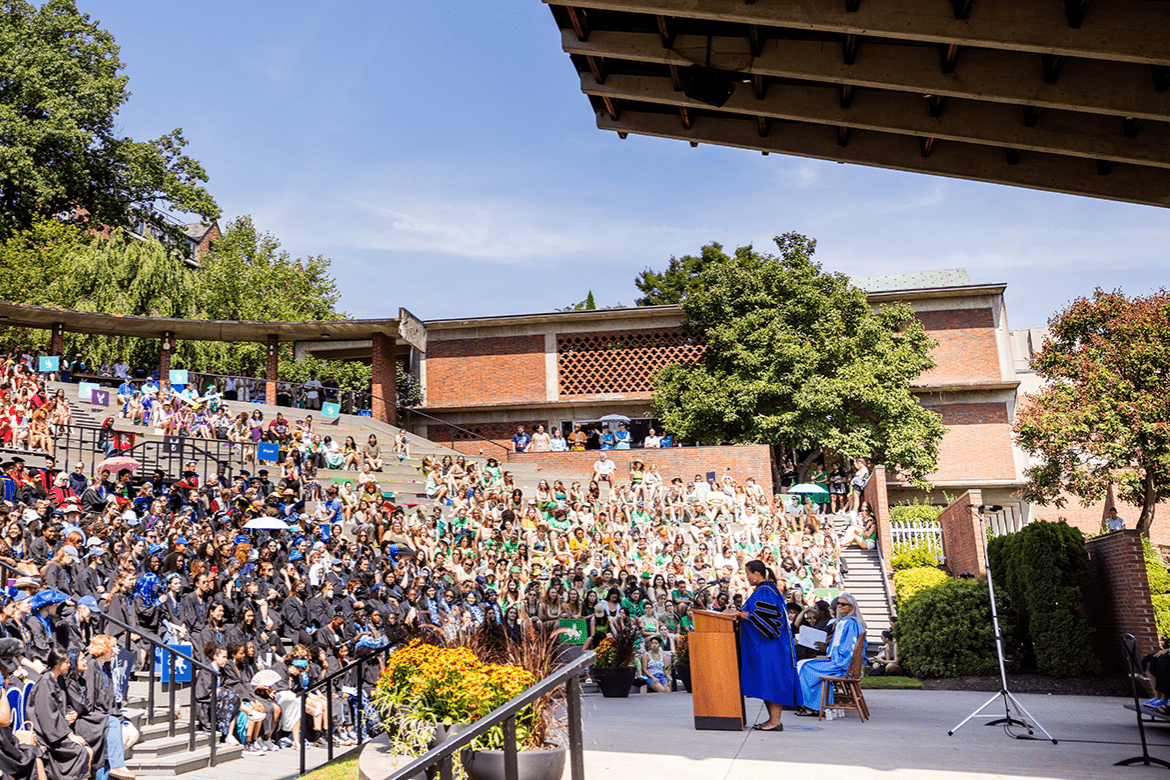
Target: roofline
521,319
958,291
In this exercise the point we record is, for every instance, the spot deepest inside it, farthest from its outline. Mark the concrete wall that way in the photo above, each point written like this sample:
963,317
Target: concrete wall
1119,596
962,536
743,461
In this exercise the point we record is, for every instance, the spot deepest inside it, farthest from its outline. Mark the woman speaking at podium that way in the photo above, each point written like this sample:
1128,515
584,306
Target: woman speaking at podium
768,655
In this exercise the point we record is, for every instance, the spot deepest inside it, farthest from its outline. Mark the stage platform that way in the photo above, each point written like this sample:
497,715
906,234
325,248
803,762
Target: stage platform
650,737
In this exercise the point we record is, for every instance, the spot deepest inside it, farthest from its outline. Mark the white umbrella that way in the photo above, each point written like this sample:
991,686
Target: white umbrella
266,524
807,487
615,418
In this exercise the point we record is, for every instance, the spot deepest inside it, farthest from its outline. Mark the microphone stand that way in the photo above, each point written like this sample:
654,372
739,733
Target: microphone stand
1004,693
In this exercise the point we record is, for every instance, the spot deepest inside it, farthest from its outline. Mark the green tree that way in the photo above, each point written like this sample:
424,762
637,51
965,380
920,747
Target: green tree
33,258
1103,416
796,358
60,91
586,305
681,275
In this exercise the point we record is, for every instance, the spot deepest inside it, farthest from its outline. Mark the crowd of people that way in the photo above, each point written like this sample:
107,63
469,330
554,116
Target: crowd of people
274,611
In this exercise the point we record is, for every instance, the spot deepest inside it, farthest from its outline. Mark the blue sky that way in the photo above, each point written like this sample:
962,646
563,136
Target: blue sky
442,155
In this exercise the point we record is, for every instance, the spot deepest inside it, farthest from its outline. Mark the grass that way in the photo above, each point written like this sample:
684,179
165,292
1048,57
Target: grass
893,683
338,769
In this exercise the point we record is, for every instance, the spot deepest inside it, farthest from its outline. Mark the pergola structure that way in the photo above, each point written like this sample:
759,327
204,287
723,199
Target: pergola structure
380,342
1068,96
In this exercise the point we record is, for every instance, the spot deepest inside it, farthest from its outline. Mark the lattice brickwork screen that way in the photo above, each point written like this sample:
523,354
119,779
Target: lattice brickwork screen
620,361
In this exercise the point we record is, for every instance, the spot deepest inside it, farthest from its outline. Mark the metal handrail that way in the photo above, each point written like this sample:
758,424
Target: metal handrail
327,683
411,410
505,714
171,652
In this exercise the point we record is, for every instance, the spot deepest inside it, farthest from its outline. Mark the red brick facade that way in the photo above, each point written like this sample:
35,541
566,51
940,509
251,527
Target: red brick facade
466,372
271,366
963,536
967,348
748,460
1119,596
383,379
977,445
166,348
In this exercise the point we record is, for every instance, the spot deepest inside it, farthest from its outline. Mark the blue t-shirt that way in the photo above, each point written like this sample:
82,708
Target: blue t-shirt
521,441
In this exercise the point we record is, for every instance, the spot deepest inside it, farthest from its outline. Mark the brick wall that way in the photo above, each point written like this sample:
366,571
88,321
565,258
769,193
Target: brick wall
383,379
620,361
485,371
977,444
747,460
1119,596
1090,518
500,433
878,499
967,348
962,535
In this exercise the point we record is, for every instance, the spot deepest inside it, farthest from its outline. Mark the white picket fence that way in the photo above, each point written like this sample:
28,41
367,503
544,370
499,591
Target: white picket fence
916,533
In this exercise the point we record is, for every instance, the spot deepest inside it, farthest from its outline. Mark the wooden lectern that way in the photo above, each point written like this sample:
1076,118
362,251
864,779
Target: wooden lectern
715,673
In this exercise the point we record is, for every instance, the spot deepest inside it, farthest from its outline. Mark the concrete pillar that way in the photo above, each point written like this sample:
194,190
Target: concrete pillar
383,380
57,346
270,369
164,355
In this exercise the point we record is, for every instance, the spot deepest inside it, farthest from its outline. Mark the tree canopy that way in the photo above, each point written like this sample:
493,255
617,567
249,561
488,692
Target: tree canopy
797,358
680,276
1103,416
60,154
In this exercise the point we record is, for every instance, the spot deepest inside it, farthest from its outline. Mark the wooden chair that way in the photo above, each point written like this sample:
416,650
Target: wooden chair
846,690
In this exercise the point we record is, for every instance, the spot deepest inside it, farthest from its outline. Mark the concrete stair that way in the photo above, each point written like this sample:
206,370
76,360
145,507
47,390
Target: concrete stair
157,754
864,580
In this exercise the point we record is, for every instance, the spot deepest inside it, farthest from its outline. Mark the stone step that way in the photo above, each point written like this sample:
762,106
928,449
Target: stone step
160,746
183,762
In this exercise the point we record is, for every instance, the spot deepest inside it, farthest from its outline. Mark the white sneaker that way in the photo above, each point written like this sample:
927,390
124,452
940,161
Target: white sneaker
231,740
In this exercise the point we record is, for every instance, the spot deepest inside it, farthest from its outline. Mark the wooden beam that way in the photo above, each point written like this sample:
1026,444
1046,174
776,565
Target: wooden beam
1126,183
1012,155
1032,115
579,22
756,36
665,31
611,108
685,115
1074,11
926,146
948,53
1130,126
759,86
847,91
1120,31
849,49
597,68
1117,89
1104,167
938,104
961,7
1052,64
968,121
842,136
764,124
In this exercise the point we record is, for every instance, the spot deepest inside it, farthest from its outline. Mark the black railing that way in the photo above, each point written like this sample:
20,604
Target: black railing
410,411
357,669
505,715
84,442
172,653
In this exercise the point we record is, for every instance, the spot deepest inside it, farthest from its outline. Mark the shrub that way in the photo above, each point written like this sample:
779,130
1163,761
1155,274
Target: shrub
921,554
909,582
1156,571
946,630
1043,570
1162,615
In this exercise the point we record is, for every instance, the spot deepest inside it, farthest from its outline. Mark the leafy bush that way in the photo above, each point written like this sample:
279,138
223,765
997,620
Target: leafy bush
909,582
1162,615
946,630
1043,570
1156,571
921,554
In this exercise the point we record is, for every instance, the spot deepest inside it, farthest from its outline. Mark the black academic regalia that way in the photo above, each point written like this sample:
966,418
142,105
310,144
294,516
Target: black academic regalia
320,611
17,761
70,636
294,617
99,688
193,610
90,725
46,708
59,577
40,639
90,582
210,633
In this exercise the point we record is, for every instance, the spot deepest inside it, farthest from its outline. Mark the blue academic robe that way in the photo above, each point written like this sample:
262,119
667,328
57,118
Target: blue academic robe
768,655
845,634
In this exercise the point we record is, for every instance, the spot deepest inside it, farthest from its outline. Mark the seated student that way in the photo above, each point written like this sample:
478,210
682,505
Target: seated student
67,755
99,688
219,715
886,662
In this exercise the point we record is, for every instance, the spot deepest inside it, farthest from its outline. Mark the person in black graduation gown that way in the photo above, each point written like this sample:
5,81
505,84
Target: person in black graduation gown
39,623
170,610
88,724
98,681
320,607
215,629
294,616
18,749
67,755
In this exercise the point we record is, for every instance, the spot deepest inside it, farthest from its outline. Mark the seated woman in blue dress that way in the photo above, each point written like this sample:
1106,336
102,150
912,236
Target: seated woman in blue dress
847,629
768,667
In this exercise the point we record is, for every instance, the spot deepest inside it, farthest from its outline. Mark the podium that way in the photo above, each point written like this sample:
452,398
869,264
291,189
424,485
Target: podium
716,698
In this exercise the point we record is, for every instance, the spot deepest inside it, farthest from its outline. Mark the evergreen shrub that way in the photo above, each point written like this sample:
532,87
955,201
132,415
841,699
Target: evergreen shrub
946,630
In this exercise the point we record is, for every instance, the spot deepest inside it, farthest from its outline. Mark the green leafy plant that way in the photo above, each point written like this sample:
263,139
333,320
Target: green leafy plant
910,582
617,650
1156,571
923,553
1043,571
1162,616
946,630
682,653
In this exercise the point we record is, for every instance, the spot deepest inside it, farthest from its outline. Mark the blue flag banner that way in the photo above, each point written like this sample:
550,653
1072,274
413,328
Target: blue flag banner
85,391
48,365
162,664
120,669
178,376
269,451
330,410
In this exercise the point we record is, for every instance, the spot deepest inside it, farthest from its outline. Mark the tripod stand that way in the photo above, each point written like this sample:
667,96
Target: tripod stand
1008,699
